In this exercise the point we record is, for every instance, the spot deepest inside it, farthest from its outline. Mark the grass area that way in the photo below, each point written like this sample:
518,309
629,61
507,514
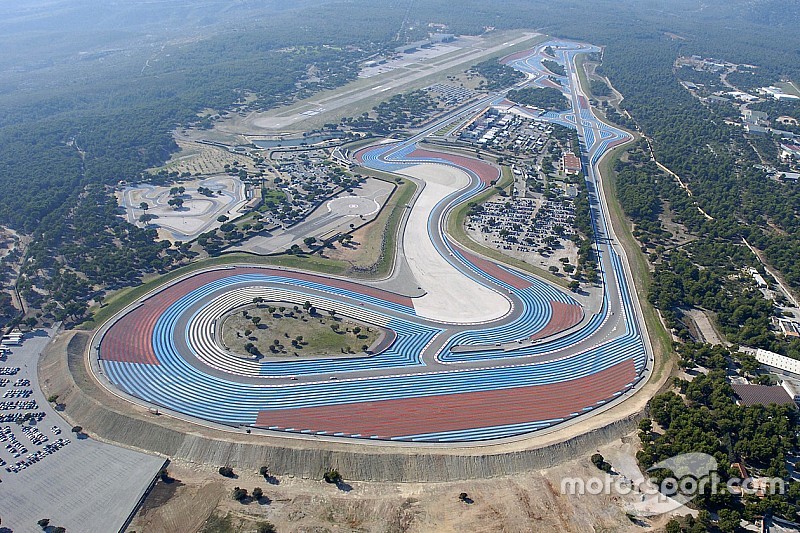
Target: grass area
447,128
401,198
789,87
659,336
580,61
290,331
272,199
218,523
455,228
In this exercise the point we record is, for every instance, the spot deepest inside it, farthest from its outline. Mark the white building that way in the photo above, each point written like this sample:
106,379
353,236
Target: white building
774,360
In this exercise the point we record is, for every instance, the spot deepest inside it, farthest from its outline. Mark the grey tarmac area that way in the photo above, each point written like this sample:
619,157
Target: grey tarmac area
86,485
334,215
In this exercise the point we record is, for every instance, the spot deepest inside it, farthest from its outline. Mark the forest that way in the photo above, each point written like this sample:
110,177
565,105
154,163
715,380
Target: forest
546,98
496,75
400,111
701,416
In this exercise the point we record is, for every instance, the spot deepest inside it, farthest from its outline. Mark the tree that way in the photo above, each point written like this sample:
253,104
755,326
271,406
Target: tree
263,471
144,206
257,493
574,285
255,320
332,476
43,523
77,429
599,461
222,218
239,494
265,527
53,398
728,520
226,471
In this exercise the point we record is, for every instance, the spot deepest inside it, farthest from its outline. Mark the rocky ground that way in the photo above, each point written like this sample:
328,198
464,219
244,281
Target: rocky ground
200,500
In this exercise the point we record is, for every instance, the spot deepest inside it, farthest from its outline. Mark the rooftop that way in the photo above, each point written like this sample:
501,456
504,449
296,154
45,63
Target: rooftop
762,395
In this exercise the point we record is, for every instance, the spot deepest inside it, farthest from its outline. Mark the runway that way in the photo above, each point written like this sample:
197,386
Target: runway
488,352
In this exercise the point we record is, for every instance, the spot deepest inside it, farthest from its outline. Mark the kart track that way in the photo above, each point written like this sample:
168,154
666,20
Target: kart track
488,352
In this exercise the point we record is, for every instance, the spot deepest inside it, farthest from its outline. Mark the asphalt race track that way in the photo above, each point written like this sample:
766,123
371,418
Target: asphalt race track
543,362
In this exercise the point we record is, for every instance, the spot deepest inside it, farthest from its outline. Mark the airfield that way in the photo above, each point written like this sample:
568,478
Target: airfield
375,84
479,351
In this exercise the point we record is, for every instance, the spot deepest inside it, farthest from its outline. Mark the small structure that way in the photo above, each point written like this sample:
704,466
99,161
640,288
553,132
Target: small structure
572,165
758,278
762,395
755,130
788,327
778,361
253,203
777,93
713,99
790,150
754,117
442,37
791,389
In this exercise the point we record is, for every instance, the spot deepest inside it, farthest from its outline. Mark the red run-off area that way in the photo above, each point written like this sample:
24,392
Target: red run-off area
454,412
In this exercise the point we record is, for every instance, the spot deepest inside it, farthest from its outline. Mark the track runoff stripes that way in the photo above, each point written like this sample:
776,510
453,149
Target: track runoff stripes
510,393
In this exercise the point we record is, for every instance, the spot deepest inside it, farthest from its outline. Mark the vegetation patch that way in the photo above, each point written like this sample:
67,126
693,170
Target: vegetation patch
554,67
544,98
283,330
497,75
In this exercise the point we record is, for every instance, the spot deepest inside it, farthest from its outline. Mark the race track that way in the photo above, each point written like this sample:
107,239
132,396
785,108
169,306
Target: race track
488,352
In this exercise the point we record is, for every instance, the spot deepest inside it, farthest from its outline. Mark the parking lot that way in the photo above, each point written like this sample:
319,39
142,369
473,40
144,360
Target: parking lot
46,470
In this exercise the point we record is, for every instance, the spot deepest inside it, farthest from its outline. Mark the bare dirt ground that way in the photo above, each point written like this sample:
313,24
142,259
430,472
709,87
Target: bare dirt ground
365,248
531,502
